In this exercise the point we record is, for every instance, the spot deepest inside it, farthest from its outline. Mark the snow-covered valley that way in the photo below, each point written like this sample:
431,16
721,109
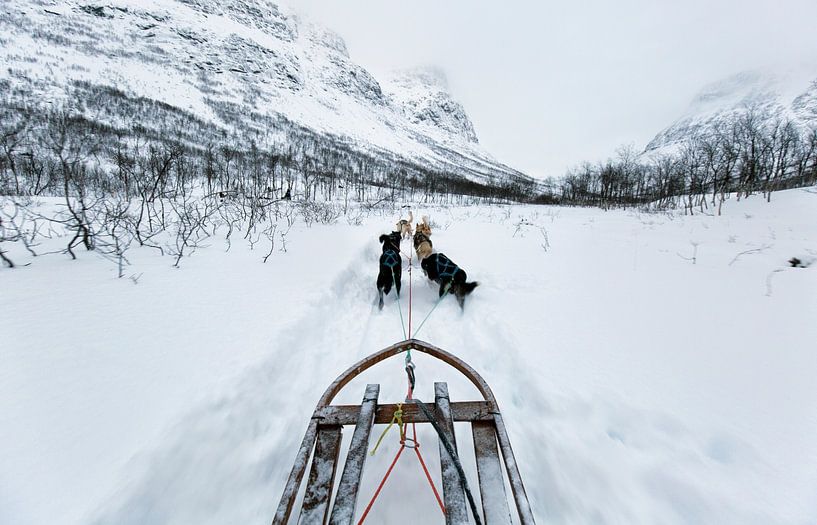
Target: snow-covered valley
651,368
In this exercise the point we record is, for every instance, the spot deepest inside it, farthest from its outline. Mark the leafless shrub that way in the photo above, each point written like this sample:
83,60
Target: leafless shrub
189,227
284,234
269,234
18,224
319,212
7,234
118,227
545,240
748,252
523,223
694,257
355,219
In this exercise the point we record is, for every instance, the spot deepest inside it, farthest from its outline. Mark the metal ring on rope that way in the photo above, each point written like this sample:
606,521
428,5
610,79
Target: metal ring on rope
414,441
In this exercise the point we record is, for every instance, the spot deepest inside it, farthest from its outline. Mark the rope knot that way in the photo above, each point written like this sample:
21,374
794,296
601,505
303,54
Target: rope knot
397,418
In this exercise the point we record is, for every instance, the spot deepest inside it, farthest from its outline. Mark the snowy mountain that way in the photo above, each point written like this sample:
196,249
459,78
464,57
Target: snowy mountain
789,93
242,67
423,97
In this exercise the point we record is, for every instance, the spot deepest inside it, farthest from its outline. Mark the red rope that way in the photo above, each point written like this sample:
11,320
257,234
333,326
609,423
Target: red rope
425,469
416,447
382,482
391,467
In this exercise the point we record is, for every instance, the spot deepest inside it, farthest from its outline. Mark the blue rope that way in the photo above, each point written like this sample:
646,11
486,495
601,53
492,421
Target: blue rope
402,323
447,288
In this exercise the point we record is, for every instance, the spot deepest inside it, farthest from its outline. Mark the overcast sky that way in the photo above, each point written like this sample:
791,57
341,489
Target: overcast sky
550,84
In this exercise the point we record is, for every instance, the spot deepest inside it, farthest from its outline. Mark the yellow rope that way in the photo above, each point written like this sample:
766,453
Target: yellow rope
396,418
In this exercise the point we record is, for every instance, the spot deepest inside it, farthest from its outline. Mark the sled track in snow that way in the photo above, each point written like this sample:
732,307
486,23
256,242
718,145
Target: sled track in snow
224,461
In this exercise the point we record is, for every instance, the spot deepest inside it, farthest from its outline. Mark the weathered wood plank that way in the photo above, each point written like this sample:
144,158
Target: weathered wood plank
517,487
343,512
295,475
460,411
456,512
315,507
489,469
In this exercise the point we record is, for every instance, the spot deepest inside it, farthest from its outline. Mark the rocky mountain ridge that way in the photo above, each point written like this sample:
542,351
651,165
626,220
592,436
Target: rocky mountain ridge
238,64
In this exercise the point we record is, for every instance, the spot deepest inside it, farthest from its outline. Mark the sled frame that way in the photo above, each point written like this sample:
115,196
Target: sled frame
323,437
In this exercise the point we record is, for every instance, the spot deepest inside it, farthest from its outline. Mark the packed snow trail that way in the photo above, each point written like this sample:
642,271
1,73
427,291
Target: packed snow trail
244,444
637,385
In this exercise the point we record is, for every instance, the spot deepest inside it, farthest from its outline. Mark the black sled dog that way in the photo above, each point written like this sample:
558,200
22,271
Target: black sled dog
449,276
391,266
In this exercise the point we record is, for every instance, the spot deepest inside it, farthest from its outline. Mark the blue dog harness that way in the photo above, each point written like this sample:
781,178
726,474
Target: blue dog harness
391,258
445,267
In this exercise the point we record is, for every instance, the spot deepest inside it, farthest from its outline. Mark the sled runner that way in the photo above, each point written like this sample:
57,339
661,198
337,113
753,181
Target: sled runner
323,438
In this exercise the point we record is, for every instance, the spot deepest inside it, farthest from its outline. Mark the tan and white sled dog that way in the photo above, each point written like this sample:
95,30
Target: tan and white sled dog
422,239
403,226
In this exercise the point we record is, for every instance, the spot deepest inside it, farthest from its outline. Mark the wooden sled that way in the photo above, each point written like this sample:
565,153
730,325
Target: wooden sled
324,437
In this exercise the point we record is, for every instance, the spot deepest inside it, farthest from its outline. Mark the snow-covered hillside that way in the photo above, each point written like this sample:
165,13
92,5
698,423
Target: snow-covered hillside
422,95
651,368
788,93
241,65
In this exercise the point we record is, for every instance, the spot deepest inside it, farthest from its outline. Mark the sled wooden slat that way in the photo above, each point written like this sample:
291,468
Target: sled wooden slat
489,470
460,411
344,509
321,476
296,475
453,493
518,489
323,436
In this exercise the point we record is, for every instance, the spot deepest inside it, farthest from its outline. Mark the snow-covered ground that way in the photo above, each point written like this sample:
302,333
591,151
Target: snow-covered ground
637,386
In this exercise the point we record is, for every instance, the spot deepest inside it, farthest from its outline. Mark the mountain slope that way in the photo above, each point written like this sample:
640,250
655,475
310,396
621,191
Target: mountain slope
243,66
423,97
788,93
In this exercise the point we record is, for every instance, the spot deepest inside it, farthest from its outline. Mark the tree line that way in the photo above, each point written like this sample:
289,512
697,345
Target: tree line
754,153
119,139
137,171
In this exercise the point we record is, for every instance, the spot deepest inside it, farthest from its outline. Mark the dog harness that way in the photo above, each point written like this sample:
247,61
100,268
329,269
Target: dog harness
445,267
391,259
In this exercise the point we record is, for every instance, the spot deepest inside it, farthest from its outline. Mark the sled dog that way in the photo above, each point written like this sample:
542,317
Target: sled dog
390,266
449,276
403,226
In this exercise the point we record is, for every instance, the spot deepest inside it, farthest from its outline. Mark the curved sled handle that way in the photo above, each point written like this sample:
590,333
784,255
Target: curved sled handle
296,475
408,344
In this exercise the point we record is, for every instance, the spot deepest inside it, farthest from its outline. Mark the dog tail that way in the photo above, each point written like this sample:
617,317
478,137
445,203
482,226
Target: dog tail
384,238
467,288
411,217
460,290
425,221
463,289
